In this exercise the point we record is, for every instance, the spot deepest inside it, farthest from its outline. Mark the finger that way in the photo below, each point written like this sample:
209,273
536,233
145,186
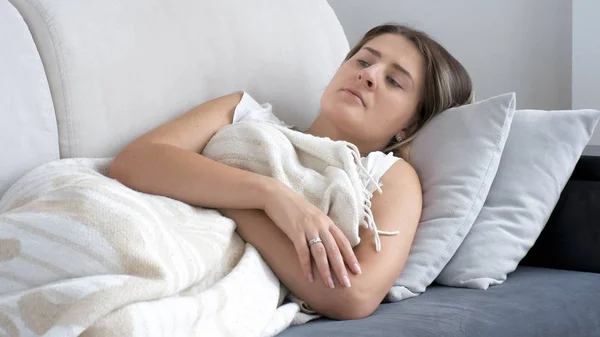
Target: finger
319,254
345,249
334,256
303,253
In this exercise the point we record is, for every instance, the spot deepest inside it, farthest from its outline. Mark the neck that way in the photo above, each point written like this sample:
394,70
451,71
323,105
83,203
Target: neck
321,127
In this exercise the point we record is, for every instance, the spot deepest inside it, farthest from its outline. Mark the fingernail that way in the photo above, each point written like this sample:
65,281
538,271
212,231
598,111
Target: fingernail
330,282
346,281
310,277
356,268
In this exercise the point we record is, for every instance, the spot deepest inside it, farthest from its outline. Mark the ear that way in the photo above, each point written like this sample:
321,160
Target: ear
409,129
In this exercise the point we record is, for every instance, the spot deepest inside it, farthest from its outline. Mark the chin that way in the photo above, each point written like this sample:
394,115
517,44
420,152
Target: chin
345,120
343,112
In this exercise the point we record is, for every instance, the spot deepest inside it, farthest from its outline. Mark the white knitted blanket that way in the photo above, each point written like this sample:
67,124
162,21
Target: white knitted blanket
83,254
327,173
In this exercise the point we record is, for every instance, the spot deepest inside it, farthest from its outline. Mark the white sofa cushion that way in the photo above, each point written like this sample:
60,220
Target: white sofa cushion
28,135
118,69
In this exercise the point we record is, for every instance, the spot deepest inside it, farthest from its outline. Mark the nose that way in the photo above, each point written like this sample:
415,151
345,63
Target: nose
366,77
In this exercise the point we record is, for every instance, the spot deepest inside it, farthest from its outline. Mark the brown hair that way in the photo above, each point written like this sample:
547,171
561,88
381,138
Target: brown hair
447,83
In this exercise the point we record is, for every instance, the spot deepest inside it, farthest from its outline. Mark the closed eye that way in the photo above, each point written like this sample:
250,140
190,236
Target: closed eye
363,63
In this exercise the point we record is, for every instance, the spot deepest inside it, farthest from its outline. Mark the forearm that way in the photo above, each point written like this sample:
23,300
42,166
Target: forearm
184,175
358,301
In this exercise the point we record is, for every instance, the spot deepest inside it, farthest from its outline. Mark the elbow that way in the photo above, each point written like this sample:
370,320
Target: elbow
354,313
120,168
354,305
117,170
125,167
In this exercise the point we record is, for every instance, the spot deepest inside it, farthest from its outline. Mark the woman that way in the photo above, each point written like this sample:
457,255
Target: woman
390,85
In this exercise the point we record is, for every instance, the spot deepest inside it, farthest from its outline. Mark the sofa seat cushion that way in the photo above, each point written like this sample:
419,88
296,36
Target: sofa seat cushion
532,302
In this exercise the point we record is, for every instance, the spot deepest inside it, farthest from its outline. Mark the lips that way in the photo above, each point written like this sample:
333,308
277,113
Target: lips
356,93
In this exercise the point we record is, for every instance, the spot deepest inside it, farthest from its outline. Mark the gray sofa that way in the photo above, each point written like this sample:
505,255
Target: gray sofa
555,292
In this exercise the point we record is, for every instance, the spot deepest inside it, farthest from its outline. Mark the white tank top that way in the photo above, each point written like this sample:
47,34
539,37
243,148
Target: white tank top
376,163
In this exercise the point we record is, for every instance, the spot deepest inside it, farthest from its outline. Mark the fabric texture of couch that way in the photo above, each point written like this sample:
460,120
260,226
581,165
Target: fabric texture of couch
532,302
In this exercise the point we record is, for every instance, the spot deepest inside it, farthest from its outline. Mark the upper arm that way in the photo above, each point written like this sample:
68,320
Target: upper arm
193,129
398,208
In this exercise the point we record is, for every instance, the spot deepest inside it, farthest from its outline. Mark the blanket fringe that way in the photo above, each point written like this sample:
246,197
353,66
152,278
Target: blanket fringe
368,221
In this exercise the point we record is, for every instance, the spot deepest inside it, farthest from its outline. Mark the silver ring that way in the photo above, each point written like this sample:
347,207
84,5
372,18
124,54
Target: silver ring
315,240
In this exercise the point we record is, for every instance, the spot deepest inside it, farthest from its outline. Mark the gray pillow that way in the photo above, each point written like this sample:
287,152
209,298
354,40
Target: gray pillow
540,155
456,157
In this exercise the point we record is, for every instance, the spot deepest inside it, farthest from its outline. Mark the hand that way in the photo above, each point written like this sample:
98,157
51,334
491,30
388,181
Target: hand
301,221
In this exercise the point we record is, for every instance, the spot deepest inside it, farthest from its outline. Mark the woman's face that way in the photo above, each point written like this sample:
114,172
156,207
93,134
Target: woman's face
374,95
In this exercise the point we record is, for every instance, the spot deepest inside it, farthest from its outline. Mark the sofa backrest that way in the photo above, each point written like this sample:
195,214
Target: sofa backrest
119,68
28,134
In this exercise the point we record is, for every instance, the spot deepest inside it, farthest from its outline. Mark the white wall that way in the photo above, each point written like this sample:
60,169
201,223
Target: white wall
506,45
586,57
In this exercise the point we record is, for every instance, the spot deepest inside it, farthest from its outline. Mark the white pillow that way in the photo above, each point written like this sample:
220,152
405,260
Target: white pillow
456,157
540,155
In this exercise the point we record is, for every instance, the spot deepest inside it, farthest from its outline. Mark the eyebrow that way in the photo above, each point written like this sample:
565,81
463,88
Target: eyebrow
396,66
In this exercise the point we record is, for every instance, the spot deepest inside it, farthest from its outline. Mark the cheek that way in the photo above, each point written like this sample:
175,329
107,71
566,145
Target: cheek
338,81
333,85
327,96
397,113
328,101
343,74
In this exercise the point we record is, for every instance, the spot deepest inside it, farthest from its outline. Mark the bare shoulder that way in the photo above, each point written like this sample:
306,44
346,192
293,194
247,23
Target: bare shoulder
400,203
402,175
